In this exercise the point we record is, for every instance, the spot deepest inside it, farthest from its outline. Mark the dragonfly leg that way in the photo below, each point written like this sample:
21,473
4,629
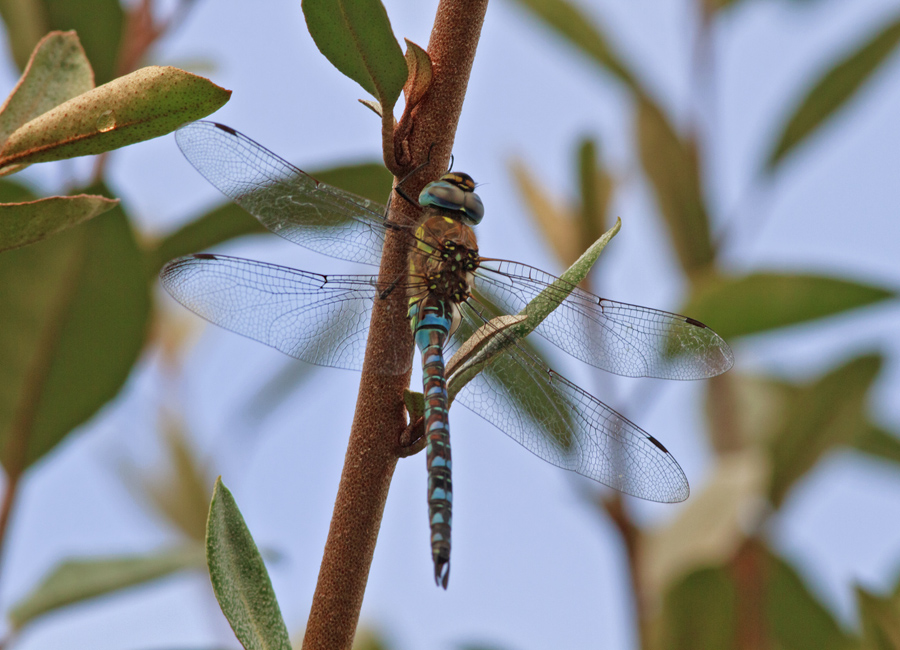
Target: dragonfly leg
399,187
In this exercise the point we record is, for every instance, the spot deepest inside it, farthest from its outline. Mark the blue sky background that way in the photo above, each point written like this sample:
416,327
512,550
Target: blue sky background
533,566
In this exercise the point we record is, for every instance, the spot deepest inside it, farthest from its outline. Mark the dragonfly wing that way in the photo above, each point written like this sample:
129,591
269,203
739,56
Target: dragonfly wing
319,319
285,199
562,424
624,339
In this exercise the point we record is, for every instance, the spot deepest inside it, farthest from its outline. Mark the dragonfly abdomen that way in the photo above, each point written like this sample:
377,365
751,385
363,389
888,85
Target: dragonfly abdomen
432,320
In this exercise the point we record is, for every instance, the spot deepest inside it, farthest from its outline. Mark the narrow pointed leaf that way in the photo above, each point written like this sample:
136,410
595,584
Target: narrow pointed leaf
75,580
673,170
511,329
879,442
761,302
372,105
145,104
239,577
74,319
557,226
834,90
880,620
27,223
478,350
356,36
179,491
551,297
57,71
829,412
596,190
575,27
420,74
415,404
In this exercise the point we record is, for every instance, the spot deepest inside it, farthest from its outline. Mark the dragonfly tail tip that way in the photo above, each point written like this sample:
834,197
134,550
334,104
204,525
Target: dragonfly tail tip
441,572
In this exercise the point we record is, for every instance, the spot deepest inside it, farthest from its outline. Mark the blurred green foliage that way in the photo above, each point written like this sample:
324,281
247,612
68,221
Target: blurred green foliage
710,576
77,312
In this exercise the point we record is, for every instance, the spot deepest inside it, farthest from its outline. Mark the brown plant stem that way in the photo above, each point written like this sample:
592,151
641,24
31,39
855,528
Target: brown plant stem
631,537
9,498
379,421
749,574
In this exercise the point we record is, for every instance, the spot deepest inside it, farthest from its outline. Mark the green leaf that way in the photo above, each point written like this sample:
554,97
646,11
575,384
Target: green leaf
221,224
180,489
550,214
420,74
880,620
879,442
145,104
415,404
74,318
356,37
27,223
596,190
484,351
228,221
100,25
551,297
75,580
673,170
57,71
765,301
464,366
239,577
13,192
331,34
797,620
26,23
829,412
575,27
367,179
700,612
834,89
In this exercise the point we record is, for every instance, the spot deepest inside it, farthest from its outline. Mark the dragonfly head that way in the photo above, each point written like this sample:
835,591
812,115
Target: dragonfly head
454,191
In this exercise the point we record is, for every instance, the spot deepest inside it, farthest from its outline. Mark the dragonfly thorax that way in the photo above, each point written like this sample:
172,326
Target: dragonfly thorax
452,274
443,260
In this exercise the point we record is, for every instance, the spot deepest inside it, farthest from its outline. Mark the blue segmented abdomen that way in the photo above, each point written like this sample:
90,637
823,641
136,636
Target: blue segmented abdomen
432,319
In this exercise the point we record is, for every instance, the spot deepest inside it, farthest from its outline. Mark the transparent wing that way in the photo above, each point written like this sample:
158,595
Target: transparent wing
319,319
285,199
562,424
620,338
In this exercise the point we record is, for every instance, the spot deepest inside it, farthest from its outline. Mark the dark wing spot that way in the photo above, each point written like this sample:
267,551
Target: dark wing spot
696,323
204,256
227,129
658,444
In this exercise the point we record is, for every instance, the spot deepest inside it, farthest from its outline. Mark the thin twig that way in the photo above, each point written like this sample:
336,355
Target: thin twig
9,498
379,420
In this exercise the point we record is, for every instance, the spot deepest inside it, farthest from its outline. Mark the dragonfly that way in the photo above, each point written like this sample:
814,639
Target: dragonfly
454,294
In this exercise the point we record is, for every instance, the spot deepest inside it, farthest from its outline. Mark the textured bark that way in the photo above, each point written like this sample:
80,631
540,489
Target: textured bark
379,421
